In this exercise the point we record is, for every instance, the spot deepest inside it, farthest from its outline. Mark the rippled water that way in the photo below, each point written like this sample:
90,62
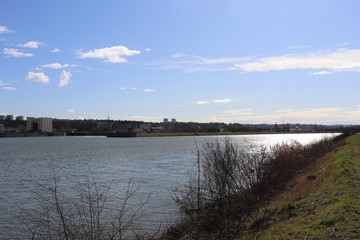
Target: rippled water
158,164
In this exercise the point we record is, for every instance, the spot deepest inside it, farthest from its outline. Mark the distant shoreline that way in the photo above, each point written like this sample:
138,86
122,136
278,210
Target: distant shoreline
145,134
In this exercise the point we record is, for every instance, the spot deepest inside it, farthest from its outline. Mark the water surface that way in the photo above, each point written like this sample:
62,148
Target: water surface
157,164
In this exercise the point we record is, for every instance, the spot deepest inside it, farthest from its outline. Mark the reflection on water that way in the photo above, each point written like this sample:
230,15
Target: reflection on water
157,164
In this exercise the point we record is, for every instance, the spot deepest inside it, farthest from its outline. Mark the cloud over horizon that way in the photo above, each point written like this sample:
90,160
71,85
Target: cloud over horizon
194,63
217,101
325,115
149,90
222,101
201,102
326,61
113,54
6,86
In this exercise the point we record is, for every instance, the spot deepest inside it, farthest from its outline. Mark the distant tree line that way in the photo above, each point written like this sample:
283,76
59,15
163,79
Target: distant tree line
91,125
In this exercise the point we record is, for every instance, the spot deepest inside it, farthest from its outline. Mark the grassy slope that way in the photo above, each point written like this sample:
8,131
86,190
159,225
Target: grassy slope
323,202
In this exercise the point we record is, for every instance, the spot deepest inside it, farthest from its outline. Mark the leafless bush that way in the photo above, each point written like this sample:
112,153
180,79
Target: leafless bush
92,213
235,180
229,169
226,170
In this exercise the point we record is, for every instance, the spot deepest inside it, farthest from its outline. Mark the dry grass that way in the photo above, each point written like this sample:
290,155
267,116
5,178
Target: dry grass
322,202
282,177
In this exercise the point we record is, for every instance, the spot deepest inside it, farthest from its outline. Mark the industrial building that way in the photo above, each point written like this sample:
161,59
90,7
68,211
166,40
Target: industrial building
39,125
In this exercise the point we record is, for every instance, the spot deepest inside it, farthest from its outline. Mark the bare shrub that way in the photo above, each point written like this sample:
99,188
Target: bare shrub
226,170
91,213
236,180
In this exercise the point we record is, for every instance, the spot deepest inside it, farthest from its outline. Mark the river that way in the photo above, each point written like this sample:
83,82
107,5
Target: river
156,164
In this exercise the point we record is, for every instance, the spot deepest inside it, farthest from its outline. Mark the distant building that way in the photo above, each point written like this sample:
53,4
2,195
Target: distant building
157,129
166,120
31,124
104,125
39,125
20,118
173,120
9,117
2,117
144,127
45,125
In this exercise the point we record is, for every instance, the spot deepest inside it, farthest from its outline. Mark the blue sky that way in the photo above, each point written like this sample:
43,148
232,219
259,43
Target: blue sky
230,61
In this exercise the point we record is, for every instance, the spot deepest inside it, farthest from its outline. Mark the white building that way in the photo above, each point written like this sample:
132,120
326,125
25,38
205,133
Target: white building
39,125
45,125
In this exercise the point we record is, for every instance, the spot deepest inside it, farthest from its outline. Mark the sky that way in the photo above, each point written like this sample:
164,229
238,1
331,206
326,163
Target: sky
231,61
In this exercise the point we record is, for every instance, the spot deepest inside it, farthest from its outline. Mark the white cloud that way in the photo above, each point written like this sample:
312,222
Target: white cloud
241,112
123,88
178,55
113,54
311,113
65,77
31,44
149,90
148,50
38,77
201,102
225,100
55,66
4,29
16,53
6,86
212,61
325,62
338,60
145,118
133,88
322,73
192,63
70,110
55,50
325,115
284,110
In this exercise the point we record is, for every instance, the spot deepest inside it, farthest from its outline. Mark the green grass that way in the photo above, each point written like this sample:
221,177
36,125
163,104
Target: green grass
323,202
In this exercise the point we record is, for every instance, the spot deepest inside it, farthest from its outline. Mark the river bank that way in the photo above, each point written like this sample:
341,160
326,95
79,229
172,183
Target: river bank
146,134
304,192
321,202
